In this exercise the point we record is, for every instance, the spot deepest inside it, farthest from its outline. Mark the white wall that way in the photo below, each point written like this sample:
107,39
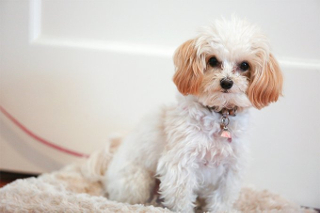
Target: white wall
75,72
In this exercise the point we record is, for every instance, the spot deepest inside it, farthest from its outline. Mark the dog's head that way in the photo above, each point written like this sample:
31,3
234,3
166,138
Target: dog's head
228,64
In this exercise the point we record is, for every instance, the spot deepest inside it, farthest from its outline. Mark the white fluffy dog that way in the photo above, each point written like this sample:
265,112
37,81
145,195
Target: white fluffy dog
195,147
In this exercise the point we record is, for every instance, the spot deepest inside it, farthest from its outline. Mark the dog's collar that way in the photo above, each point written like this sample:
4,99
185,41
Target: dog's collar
225,113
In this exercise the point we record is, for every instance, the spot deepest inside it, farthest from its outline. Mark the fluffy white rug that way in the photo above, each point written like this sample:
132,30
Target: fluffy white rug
73,190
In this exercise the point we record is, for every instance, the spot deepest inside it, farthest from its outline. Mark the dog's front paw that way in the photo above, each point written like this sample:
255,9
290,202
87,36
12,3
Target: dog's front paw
221,208
179,205
189,209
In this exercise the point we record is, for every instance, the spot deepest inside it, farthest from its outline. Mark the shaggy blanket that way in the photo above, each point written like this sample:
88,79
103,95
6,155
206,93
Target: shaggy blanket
77,188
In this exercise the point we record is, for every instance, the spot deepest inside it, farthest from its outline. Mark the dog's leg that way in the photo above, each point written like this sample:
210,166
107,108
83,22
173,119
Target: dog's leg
130,184
96,166
177,184
223,198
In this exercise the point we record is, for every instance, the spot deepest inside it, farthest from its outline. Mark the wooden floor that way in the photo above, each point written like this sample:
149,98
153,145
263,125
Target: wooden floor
3,183
7,177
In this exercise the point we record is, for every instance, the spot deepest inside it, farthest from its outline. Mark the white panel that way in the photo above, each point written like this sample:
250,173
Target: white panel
291,27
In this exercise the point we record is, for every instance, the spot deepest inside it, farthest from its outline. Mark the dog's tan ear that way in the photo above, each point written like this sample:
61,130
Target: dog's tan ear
266,84
189,68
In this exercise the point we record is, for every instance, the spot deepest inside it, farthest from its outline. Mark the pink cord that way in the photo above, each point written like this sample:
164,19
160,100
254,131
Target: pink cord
39,139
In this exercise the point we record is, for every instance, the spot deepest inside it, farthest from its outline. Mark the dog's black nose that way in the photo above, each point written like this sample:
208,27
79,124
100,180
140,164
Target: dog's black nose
226,83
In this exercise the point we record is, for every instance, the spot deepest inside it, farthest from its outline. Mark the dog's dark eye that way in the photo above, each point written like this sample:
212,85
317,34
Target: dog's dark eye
213,61
244,66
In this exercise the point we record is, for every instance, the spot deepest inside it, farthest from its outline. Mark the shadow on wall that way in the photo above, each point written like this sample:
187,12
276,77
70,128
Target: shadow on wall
27,151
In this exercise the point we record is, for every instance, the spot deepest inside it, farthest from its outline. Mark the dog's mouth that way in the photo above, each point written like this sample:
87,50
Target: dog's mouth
225,91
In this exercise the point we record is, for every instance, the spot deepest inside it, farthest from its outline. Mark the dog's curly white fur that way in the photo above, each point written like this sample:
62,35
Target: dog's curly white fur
181,144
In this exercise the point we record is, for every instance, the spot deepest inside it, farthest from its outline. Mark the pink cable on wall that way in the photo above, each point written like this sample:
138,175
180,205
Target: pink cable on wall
39,139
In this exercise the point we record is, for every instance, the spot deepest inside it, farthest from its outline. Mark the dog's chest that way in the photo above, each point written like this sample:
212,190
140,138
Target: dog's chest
211,166
213,161
215,152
